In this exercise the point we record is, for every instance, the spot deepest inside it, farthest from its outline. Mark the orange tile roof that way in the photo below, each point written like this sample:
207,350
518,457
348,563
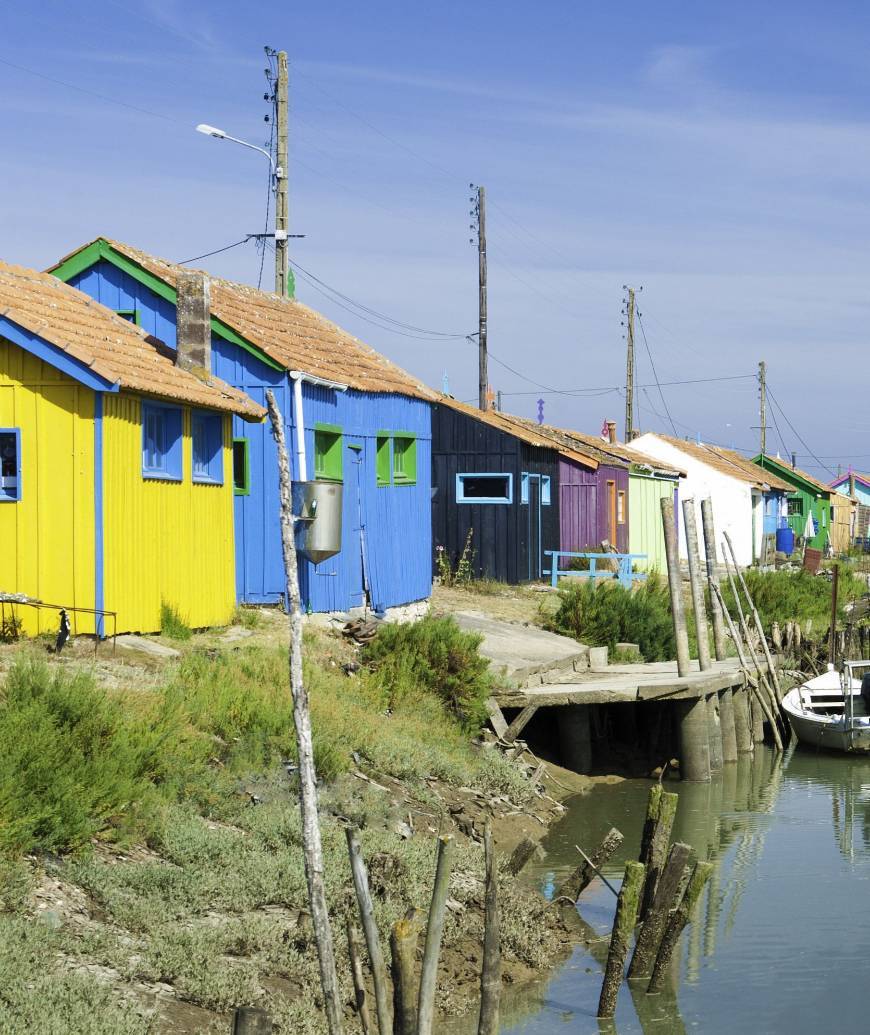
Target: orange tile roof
290,333
113,348
729,462
526,431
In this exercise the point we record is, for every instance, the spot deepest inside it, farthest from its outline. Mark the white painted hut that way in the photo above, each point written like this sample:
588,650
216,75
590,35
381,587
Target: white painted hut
747,501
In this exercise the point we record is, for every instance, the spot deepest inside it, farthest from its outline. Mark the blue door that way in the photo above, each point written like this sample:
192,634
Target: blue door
531,501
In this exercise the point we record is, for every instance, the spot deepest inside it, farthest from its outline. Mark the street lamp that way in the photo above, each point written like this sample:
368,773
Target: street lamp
219,134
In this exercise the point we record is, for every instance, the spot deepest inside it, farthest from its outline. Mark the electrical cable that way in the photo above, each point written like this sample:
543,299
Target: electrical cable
90,93
617,388
217,251
655,375
797,433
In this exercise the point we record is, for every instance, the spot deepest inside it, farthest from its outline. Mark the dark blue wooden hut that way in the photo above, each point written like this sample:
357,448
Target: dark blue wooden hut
364,423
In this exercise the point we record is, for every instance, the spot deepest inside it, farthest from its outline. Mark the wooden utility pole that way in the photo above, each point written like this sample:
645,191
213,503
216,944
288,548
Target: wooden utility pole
762,393
282,208
482,373
629,369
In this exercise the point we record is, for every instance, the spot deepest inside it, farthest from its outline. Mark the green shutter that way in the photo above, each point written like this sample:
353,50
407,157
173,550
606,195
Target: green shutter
404,460
327,452
382,459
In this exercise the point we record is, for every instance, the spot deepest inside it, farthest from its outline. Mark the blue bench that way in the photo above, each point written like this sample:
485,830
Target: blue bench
623,575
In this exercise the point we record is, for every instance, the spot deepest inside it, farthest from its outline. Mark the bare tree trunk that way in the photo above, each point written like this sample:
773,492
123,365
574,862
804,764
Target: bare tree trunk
362,1007
370,930
490,978
312,848
434,929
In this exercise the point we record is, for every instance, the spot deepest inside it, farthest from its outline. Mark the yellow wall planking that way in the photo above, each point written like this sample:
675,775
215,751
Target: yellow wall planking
47,543
645,519
164,541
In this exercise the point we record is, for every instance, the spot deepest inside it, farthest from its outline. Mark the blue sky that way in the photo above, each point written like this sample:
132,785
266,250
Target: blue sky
716,154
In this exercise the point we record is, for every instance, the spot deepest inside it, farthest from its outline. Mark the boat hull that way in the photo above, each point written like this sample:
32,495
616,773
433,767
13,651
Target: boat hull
826,732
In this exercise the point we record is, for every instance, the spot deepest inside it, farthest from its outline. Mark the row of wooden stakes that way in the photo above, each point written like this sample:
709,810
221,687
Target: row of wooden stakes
657,897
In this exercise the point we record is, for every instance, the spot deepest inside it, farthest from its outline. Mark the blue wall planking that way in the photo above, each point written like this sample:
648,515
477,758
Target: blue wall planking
393,522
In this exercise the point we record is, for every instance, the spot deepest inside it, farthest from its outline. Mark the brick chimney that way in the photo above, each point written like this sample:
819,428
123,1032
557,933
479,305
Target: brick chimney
611,431
193,320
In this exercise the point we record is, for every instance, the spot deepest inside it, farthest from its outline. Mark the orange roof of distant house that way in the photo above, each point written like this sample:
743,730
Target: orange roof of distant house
113,348
728,461
288,332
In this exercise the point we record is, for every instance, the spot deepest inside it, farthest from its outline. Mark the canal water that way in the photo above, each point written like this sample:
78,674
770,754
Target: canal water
781,939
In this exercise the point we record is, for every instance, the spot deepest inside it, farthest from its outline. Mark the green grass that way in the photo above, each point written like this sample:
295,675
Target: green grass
247,617
172,624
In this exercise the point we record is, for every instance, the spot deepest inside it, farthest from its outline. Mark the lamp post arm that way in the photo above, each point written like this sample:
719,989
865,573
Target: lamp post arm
277,171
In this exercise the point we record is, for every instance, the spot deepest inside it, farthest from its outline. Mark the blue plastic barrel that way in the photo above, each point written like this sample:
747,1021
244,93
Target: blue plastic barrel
785,541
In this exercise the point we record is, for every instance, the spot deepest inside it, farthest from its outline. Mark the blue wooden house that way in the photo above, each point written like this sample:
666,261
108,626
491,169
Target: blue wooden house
352,418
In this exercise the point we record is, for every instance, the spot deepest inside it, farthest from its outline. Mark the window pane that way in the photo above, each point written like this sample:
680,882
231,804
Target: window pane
476,486
10,466
240,466
404,459
327,454
382,460
200,447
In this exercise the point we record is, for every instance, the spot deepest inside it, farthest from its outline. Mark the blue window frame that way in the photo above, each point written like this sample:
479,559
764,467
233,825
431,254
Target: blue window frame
207,433
524,488
484,488
10,465
161,442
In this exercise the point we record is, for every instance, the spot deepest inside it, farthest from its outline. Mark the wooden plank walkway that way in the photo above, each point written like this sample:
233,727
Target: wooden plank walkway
624,684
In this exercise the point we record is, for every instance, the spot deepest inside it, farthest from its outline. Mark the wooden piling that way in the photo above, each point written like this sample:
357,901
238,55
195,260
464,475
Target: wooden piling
656,917
370,930
661,810
677,920
575,737
623,926
742,722
251,1020
582,877
757,716
710,556
694,740
356,973
490,977
403,950
675,585
434,930
714,732
726,725
690,528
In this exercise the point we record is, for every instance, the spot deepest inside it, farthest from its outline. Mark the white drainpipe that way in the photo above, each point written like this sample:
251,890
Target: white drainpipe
297,377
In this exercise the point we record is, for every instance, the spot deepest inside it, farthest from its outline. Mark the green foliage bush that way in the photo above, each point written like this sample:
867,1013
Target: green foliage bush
433,656
786,596
607,614
172,624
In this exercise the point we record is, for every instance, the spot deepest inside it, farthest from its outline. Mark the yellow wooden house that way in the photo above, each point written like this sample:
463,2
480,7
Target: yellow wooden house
116,488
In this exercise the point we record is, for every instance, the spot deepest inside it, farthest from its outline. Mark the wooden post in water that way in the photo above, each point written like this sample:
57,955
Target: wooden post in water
726,724
661,810
656,917
582,877
575,736
403,949
434,930
490,977
623,926
312,846
690,528
676,922
370,930
714,732
675,585
694,740
710,554
832,640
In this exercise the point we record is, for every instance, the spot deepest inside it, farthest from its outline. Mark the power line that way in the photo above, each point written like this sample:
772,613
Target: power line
217,251
618,388
797,433
655,375
90,93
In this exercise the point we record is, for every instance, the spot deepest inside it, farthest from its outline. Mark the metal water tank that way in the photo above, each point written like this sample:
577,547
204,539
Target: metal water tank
317,508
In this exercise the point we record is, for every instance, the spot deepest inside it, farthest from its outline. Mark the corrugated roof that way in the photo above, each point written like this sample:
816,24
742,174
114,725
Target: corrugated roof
290,333
113,348
526,431
727,461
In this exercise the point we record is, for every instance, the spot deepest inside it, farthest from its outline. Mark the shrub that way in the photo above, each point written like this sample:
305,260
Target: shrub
786,596
605,615
172,624
71,760
434,656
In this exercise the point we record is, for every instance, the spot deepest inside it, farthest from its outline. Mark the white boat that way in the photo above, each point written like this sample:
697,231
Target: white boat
830,712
